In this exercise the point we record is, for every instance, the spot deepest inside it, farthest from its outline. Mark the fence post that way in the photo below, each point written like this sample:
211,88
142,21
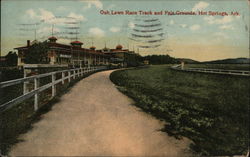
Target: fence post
74,74
69,73
63,76
25,82
182,65
53,85
78,72
36,85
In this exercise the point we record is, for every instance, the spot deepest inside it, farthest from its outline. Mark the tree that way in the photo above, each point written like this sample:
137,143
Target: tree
11,59
160,59
37,53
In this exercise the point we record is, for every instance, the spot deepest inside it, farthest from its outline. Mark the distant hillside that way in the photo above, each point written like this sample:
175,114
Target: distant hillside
160,59
230,61
187,60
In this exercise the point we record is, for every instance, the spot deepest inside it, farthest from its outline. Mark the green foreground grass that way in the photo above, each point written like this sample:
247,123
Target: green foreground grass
242,67
211,110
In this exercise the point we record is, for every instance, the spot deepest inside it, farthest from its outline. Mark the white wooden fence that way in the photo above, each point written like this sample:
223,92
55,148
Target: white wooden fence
213,71
71,75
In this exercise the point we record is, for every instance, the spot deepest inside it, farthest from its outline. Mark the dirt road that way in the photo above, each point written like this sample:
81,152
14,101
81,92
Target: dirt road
93,119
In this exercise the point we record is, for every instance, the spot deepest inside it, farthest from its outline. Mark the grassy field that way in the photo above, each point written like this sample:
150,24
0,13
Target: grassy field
211,110
221,66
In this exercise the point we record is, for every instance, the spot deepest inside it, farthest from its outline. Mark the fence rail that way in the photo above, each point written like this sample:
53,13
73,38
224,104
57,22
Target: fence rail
71,73
213,71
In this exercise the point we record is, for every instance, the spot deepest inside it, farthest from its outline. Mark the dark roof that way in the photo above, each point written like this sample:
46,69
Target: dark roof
69,47
119,50
22,47
59,45
76,42
52,38
73,48
119,46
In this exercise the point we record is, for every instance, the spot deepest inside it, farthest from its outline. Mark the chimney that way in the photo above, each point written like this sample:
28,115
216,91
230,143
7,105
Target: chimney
28,43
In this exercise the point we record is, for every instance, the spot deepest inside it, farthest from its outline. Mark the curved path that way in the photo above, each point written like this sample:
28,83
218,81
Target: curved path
94,118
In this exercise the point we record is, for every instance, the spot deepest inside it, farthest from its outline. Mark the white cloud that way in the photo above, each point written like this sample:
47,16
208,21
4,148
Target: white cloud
213,20
45,14
226,27
183,25
195,27
131,25
225,19
171,22
41,14
31,13
77,17
220,35
114,29
209,19
49,18
200,6
96,32
97,3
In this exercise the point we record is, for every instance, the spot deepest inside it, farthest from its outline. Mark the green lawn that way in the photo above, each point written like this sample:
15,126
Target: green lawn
211,110
221,66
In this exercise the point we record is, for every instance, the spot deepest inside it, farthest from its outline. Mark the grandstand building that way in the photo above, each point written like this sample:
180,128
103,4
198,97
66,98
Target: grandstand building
77,56
72,54
120,56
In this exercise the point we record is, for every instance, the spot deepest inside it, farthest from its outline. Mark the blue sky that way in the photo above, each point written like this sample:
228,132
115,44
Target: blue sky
200,37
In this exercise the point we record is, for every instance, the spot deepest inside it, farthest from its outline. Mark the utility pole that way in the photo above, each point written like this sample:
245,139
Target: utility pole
35,30
35,34
52,30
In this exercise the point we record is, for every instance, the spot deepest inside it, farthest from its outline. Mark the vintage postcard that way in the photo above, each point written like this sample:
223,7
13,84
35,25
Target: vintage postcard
124,78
